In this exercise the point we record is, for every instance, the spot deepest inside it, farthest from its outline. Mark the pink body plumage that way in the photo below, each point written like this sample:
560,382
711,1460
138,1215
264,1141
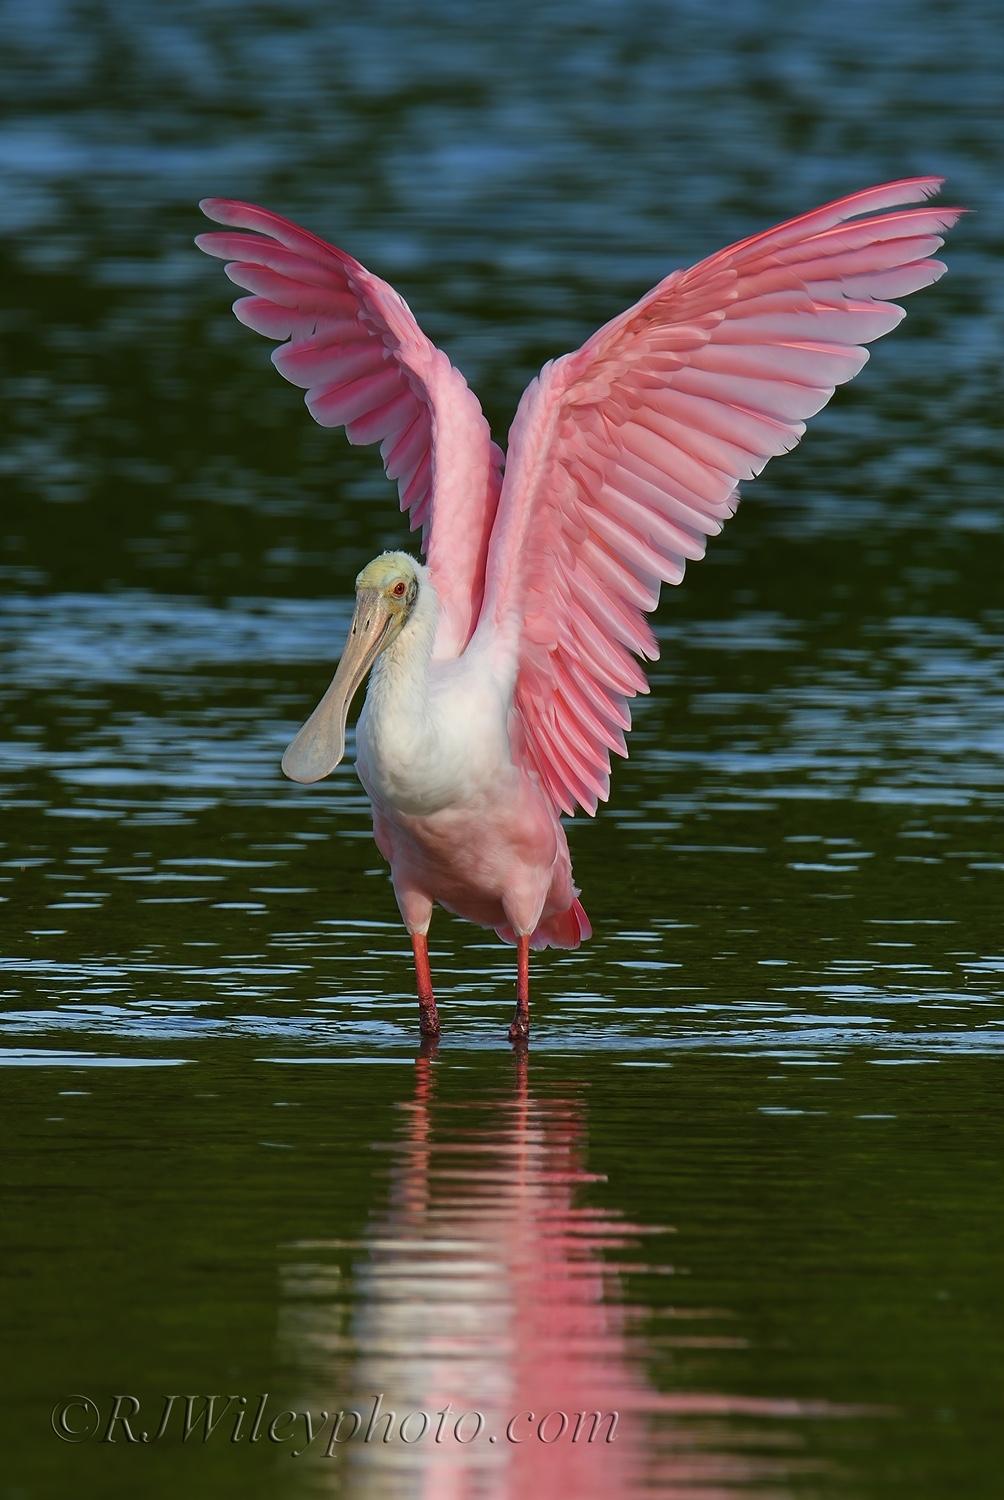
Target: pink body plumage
624,457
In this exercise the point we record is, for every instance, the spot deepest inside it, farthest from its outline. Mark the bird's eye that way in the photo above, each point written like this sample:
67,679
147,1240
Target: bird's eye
399,590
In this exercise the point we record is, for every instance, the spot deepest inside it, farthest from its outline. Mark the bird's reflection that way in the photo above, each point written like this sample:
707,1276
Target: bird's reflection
488,1286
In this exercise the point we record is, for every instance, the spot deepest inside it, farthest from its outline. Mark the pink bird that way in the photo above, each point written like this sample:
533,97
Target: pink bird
503,665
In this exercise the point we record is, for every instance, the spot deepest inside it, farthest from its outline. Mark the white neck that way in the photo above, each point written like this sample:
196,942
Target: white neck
398,682
422,744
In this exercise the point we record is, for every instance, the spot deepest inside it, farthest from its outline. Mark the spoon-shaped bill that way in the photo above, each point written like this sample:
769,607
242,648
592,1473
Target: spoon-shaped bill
320,744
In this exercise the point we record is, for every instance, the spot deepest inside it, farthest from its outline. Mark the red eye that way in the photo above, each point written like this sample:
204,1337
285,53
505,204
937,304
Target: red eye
399,590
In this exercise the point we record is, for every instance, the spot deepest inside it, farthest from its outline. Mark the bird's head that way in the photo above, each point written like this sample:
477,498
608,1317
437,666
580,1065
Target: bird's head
393,577
386,591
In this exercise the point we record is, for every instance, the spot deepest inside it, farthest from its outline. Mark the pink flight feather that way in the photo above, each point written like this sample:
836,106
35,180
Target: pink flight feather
624,457
351,343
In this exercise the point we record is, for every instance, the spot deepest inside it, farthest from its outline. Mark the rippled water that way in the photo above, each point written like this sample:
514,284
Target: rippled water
745,1190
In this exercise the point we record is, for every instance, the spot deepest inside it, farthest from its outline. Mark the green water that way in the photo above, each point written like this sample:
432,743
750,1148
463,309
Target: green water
745,1190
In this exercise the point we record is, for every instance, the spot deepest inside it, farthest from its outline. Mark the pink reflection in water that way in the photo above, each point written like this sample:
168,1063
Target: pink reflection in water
489,1288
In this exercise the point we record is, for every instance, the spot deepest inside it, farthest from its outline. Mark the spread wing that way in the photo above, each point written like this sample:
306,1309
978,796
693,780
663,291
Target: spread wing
351,342
625,456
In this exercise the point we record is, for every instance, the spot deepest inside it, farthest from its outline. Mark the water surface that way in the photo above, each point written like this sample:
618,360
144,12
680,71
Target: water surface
745,1189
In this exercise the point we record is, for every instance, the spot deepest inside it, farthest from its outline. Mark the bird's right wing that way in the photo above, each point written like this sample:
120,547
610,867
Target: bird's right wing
625,456
351,342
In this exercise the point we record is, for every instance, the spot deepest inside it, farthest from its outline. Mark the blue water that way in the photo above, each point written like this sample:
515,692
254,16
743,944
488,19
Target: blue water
745,1189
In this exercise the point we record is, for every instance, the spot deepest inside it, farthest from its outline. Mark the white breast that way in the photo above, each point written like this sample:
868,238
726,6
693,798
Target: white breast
432,740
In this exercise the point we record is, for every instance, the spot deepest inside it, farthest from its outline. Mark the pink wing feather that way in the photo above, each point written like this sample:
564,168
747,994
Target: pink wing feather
351,342
625,456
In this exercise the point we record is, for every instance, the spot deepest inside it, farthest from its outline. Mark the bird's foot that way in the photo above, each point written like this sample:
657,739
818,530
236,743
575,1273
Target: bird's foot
519,1029
428,1018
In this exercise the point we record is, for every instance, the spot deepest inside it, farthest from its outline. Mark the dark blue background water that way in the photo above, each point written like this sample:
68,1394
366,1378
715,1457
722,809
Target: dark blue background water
225,1169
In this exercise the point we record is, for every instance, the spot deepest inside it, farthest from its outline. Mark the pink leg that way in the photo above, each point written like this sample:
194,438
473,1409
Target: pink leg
428,1016
520,1028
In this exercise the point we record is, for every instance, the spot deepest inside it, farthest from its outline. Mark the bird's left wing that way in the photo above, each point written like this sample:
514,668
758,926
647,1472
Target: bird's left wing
625,456
351,342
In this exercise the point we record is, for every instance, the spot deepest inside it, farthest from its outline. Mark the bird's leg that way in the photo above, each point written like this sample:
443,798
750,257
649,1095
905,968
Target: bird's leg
428,1015
520,1027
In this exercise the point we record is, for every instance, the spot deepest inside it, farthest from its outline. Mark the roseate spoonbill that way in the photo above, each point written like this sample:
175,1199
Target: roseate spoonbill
502,667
